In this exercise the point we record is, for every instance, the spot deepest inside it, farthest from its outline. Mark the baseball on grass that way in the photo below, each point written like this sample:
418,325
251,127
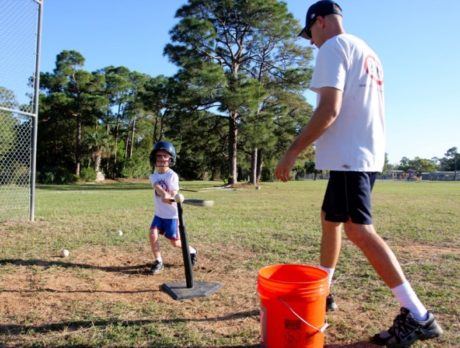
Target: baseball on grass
65,253
208,204
120,232
179,198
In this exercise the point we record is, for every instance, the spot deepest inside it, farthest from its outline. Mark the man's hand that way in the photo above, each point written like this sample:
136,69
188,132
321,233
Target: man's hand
284,166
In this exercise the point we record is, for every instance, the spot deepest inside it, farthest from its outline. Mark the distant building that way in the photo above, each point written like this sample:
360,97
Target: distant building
411,175
441,176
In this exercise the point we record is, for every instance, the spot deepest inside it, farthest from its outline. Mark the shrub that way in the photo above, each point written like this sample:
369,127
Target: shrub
136,168
88,174
56,175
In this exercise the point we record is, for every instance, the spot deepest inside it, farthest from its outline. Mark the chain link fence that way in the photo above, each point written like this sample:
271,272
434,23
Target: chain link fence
20,23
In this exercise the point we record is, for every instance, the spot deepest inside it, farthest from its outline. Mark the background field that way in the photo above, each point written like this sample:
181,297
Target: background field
102,295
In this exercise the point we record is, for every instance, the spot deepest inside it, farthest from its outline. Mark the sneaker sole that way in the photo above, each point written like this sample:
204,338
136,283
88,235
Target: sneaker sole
434,335
157,270
382,342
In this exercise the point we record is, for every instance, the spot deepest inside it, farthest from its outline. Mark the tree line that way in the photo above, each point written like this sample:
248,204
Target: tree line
450,163
234,105
231,109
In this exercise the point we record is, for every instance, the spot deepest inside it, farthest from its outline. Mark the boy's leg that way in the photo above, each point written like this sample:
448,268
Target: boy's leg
155,243
172,233
157,265
193,252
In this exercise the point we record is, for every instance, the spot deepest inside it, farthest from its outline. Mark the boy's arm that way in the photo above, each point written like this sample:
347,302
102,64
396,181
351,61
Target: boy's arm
165,196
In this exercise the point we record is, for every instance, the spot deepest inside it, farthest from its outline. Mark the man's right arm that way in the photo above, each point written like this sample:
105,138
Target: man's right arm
330,102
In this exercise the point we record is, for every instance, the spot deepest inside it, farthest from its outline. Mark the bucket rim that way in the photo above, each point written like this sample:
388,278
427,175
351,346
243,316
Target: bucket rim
323,272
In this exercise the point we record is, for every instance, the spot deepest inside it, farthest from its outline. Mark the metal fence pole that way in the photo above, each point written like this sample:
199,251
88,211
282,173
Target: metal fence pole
20,41
35,119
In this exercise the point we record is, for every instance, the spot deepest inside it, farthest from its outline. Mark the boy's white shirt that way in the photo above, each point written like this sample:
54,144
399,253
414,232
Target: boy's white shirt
169,181
355,141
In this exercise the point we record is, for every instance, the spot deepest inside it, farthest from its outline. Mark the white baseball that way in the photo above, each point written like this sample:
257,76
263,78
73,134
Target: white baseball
120,232
208,204
65,253
179,198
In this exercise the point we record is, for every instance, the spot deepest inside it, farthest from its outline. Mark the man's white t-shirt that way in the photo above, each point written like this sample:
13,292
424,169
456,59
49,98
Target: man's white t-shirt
355,141
169,181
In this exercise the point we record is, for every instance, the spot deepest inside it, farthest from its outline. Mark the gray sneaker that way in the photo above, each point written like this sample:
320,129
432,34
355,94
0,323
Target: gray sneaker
194,257
330,304
406,330
157,267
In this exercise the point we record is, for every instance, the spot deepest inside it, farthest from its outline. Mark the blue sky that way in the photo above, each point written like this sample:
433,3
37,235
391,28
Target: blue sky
416,41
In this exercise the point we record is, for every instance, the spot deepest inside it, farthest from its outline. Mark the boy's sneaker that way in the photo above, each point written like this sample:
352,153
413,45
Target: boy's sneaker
157,267
194,257
330,304
406,330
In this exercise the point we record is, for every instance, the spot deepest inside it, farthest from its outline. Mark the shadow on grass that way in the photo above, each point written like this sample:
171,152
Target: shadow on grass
68,326
96,187
132,269
17,329
25,291
362,344
121,186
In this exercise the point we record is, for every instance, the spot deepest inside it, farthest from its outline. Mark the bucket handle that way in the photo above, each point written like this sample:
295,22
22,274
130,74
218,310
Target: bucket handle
321,329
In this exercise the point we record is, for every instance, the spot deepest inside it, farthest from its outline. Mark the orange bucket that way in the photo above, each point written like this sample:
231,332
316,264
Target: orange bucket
292,306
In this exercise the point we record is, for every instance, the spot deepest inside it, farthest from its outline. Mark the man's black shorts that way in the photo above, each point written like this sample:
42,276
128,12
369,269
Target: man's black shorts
348,196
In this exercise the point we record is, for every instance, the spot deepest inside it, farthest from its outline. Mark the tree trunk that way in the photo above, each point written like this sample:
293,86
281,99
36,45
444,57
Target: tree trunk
232,148
77,147
117,130
254,166
259,164
97,161
131,145
127,142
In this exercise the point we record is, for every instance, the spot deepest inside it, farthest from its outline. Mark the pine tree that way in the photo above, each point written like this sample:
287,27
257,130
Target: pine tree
221,45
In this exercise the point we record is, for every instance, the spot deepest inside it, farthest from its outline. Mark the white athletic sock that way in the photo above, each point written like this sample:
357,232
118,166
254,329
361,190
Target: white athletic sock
192,250
407,298
330,274
159,259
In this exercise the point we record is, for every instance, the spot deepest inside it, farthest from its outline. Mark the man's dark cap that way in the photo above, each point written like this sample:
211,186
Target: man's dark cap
321,8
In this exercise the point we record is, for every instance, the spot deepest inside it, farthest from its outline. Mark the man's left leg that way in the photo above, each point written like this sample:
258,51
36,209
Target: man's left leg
414,322
331,243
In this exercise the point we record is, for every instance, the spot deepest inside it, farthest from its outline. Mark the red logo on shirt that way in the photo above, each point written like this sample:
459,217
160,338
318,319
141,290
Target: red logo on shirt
374,69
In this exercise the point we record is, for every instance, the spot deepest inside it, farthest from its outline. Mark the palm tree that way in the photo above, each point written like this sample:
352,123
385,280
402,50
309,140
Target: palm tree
100,145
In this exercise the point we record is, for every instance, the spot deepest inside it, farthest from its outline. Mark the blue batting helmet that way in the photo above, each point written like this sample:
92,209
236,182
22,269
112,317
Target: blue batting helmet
165,146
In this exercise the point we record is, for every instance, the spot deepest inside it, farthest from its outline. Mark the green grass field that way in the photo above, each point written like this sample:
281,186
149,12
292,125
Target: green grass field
103,296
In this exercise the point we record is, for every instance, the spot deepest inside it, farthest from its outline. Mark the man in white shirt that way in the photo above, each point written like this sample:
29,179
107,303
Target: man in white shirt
348,128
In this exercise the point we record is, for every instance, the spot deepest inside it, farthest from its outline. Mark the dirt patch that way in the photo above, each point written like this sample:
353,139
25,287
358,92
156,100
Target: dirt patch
418,251
107,282
95,284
